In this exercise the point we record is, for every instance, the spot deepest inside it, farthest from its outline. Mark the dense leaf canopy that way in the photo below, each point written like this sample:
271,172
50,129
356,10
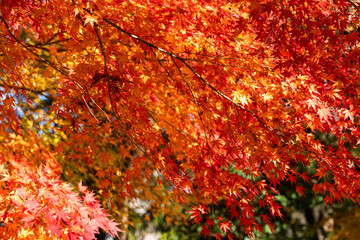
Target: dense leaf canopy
193,102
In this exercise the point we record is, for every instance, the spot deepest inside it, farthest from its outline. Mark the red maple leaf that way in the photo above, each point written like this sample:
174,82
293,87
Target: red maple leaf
54,228
300,190
324,113
234,213
225,226
82,188
205,231
262,203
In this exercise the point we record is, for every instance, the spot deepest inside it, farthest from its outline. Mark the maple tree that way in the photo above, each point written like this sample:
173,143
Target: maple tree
199,102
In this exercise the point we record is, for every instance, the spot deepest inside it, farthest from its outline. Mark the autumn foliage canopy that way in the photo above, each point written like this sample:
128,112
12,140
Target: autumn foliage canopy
209,101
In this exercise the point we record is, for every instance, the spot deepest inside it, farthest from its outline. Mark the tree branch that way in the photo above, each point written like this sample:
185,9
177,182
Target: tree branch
36,91
106,72
193,71
82,90
354,5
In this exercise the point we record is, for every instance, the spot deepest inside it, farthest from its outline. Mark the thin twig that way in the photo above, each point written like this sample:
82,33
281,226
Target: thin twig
37,91
196,103
354,5
167,72
106,72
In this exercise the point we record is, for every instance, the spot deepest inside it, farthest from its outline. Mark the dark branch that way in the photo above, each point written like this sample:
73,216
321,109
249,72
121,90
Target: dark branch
354,5
192,70
106,72
82,90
